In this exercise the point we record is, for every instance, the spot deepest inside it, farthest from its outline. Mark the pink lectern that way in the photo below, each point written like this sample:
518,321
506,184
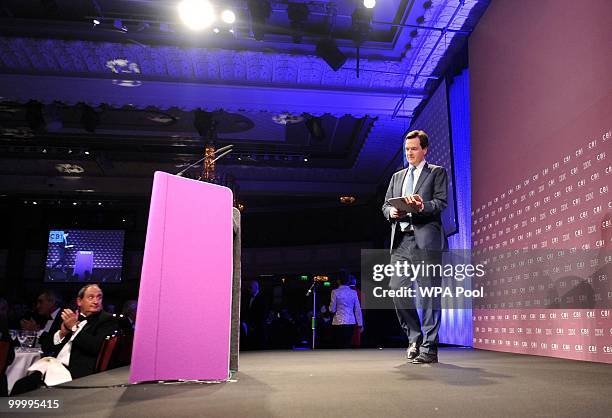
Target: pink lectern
184,305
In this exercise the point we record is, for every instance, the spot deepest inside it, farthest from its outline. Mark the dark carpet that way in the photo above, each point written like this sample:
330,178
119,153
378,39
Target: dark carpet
358,383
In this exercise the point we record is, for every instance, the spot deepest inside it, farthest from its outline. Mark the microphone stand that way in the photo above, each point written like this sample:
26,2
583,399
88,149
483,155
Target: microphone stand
313,290
227,149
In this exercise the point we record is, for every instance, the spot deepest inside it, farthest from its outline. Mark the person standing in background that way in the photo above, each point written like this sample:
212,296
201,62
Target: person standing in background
347,309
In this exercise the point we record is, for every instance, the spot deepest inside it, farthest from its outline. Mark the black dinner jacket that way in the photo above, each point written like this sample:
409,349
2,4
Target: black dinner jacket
46,338
86,346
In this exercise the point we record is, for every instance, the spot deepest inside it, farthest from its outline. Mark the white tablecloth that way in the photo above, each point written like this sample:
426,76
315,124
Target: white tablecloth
19,367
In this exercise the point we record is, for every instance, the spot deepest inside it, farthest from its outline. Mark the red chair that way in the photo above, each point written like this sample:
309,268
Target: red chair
124,350
106,353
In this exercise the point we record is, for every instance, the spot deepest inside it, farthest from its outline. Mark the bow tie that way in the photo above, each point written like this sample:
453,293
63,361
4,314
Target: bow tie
82,317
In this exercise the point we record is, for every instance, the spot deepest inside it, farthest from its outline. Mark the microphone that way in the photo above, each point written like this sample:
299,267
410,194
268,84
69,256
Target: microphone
222,155
180,173
311,288
223,148
227,147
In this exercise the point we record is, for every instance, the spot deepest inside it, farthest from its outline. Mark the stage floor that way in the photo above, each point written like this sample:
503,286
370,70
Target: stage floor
357,383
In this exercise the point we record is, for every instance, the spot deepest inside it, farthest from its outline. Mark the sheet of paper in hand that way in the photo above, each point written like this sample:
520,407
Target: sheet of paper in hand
400,203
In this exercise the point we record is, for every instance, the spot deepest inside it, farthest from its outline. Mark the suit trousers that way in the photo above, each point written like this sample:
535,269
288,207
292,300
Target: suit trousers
343,334
424,335
28,383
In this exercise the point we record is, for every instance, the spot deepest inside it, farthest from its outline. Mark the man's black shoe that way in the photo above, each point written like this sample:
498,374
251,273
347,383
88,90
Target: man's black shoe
412,352
425,358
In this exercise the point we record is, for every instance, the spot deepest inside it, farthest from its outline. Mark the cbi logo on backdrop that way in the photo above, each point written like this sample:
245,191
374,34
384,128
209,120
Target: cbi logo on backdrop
542,295
575,334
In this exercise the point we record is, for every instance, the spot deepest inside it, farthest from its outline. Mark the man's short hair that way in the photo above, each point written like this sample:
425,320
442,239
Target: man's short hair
422,135
52,297
82,291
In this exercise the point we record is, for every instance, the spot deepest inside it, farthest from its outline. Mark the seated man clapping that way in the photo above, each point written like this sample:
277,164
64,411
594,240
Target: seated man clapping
76,345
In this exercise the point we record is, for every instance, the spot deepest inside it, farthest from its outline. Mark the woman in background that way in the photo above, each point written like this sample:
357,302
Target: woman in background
345,305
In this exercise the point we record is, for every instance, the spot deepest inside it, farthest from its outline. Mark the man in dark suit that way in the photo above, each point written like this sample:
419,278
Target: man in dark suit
90,325
48,309
418,237
78,342
253,314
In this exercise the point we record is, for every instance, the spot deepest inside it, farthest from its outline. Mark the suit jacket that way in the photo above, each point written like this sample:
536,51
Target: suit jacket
432,186
46,338
255,314
345,304
86,346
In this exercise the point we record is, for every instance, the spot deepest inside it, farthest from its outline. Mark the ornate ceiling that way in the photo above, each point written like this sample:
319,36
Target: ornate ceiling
50,52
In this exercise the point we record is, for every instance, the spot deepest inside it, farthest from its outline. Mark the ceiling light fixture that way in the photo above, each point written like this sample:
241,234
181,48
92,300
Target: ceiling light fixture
369,4
69,168
196,14
228,16
361,26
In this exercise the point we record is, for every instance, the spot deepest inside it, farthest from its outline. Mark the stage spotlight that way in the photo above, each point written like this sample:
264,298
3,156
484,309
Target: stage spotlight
369,4
361,24
89,118
260,11
196,14
298,15
34,115
315,128
329,52
96,22
228,17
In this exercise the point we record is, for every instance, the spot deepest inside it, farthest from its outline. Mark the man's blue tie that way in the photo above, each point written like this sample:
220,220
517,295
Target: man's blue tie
408,190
